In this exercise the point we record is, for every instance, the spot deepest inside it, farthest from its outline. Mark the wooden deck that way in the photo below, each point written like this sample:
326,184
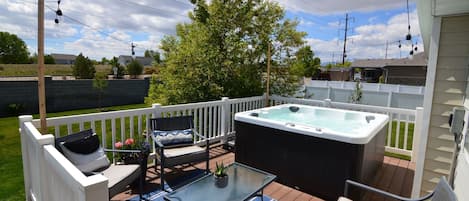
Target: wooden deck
395,176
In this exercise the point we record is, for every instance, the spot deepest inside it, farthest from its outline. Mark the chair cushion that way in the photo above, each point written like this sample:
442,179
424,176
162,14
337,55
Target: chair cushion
174,137
85,159
120,176
181,155
175,152
343,199
85,145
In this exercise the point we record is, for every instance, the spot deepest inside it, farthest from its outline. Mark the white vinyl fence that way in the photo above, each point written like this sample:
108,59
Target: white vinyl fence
387,95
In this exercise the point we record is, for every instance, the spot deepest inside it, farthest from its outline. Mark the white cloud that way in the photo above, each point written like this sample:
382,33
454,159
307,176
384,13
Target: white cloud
327,7
142,22
369,41
145,22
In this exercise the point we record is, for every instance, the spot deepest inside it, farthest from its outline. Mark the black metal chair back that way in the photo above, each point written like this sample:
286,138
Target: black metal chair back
172,123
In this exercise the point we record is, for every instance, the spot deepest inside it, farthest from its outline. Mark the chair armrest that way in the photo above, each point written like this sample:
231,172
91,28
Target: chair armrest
199,135
157,142
123,150
381,192
91,173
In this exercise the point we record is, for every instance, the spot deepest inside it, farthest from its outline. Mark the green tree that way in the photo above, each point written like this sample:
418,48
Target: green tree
222,51
305,63
13,50
104,61
114,62
48,59
134,68
155,55
83,68
100,83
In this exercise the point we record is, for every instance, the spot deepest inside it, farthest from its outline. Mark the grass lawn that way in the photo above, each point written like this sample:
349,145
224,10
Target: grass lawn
12,70
400,141
11,165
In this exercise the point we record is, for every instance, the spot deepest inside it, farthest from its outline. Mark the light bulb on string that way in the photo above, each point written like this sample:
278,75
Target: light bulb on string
58,13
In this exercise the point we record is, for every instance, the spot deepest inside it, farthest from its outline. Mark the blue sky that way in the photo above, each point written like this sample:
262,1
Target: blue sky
106,28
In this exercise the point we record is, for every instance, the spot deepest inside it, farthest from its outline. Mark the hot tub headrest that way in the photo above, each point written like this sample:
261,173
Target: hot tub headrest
254,114
294,108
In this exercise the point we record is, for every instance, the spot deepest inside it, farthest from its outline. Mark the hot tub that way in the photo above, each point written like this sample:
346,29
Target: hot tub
313,149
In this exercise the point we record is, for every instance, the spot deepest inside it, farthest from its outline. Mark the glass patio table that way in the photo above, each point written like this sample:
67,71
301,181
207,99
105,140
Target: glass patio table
244,182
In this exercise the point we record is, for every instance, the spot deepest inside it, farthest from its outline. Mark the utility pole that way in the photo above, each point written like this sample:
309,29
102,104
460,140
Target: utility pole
344,52
41,67
133,51
386,53
268,77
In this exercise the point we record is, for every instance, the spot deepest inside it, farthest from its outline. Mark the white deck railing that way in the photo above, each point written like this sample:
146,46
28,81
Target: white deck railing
214,119
48,175
403,129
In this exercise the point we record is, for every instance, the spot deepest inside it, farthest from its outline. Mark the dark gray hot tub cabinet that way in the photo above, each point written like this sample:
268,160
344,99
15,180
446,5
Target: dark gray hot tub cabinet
313,165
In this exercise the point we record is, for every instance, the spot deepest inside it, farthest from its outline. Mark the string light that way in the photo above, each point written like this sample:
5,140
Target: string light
58,13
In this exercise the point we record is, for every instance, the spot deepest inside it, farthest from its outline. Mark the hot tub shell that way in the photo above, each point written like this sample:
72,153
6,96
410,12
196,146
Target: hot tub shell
309,163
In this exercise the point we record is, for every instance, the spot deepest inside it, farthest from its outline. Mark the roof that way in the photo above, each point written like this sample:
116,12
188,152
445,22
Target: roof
417,60
63,56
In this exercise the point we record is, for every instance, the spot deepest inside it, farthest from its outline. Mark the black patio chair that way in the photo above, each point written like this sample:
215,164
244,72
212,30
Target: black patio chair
174,143
84,150
442,192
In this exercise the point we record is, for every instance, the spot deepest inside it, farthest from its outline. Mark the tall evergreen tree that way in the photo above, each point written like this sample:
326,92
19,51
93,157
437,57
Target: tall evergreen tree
83,68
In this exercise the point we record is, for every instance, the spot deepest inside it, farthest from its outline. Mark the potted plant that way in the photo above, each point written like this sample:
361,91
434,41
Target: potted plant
131,144
221,178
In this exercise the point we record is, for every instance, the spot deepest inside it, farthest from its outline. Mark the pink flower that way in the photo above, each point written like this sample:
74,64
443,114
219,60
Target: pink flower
118,145
129,141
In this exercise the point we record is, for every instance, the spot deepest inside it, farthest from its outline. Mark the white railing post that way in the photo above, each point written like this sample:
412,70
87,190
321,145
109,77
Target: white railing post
329,89
27,183
389,98
418,152
225,117
417,133
156,108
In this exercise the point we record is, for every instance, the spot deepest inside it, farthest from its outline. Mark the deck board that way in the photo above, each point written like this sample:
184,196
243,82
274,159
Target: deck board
394,176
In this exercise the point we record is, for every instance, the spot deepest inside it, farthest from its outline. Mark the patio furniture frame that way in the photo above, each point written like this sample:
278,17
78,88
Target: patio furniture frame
438,194
177,123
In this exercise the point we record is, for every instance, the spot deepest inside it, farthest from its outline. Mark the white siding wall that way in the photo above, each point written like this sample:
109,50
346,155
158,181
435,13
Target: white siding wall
448,92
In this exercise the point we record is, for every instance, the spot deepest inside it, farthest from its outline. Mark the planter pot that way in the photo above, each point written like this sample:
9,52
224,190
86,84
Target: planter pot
221,182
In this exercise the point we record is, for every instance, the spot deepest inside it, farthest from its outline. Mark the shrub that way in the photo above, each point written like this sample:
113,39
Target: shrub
134,68
14,109
83,68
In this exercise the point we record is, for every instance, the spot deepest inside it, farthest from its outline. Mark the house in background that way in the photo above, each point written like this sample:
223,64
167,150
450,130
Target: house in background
408,71
125,59
64,58
339,74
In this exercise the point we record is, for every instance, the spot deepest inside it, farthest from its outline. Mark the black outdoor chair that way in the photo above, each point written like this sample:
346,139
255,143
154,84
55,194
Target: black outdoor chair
174,143
84,150
442,192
